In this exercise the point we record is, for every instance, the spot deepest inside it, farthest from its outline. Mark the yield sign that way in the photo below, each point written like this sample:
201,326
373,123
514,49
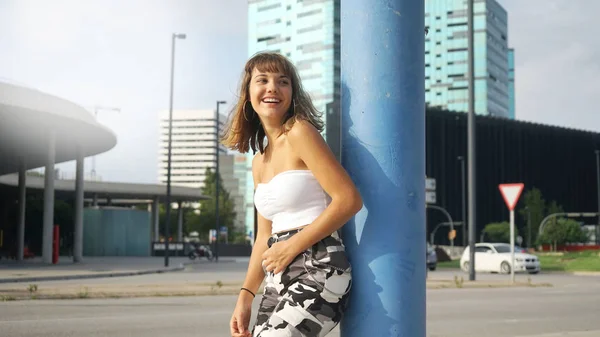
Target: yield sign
511,193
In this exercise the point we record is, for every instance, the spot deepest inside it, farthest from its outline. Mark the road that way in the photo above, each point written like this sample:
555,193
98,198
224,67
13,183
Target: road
571,305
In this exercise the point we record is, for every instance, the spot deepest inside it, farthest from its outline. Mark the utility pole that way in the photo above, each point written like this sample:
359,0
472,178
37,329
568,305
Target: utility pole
174,37
598,190
217,132
464,200
471,142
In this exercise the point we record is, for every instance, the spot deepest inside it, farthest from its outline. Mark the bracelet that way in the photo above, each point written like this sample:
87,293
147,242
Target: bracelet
253,295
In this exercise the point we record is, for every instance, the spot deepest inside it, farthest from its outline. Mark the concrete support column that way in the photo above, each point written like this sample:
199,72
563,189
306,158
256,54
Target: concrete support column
95,200
48,201
155,219
78,232
383,150
179,221
21,224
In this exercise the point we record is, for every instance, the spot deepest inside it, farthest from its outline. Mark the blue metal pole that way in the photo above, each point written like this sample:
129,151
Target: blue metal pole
383,149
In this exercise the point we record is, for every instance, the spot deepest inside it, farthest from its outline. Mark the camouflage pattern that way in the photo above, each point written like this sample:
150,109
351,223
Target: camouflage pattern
310,296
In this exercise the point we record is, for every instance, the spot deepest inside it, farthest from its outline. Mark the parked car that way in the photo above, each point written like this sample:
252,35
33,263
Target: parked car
431,257
495,257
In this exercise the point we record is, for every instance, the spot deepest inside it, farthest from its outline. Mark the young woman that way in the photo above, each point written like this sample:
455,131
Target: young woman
303,197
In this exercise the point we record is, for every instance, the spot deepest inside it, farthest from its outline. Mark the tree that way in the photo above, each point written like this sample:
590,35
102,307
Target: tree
499,232
205,221
554,207
562,231
533,203
162,218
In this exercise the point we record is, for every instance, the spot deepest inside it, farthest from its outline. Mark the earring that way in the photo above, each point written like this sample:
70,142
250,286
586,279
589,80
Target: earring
293,107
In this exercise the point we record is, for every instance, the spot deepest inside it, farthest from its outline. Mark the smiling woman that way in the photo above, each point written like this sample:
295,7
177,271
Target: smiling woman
303,197
245,130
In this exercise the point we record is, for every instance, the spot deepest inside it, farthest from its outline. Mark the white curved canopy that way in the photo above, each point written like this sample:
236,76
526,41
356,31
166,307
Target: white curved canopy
30,118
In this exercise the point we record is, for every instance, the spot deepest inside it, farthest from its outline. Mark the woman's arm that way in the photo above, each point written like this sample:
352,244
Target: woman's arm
310,147
255,275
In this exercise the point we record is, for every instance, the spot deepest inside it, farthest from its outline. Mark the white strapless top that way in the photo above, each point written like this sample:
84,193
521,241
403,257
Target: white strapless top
291,199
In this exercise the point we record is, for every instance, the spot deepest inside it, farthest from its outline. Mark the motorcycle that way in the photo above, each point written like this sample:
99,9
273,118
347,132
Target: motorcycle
201,251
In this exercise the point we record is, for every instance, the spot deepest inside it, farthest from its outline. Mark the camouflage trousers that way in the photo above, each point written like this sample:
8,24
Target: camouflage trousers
309,298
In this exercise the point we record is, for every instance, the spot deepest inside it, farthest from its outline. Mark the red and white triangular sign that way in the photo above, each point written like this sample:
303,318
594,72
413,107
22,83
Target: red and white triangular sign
511,193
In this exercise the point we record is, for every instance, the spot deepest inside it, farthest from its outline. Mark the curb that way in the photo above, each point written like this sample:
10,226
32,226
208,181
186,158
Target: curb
90,276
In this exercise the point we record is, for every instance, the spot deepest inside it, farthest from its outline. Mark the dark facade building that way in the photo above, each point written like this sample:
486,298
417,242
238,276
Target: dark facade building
560,162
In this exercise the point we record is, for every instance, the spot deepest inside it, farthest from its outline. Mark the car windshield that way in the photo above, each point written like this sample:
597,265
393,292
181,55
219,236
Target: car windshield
502,248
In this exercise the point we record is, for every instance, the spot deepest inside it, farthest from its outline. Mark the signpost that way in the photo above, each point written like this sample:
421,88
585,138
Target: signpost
511,194
430,196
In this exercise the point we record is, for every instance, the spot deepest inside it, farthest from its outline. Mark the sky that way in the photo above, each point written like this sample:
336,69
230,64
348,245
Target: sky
116,54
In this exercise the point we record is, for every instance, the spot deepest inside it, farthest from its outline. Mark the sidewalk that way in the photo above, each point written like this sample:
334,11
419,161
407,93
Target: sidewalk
34,270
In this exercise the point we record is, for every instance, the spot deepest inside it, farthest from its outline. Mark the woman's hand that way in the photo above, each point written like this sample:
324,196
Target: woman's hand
279,256
241,316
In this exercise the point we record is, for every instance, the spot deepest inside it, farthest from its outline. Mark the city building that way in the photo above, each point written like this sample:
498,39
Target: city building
242,171
42,130
233,182
558,161
193,151
446,55
511,83
193,147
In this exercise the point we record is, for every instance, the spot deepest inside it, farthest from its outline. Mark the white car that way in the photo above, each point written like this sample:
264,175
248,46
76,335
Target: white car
495,257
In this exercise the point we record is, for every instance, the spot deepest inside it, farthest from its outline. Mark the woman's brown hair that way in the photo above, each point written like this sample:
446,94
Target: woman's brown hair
244,130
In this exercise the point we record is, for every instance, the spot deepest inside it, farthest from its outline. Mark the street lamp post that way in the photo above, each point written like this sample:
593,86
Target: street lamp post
464,200
471,141
598,190
528,226
168,201
217,132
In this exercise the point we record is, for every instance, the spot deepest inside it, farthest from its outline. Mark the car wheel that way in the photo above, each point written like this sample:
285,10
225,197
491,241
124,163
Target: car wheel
534,272
505,267
466,266
432,268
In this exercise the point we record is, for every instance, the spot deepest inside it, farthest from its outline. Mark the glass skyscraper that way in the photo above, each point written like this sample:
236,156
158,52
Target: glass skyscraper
308,33
446,55
511,83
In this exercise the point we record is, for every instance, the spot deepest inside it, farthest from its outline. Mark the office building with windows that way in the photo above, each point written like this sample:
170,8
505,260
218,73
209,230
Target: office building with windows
446,55
511,83
193,146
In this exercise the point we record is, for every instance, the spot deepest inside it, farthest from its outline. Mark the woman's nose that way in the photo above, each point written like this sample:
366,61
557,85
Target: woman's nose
271,87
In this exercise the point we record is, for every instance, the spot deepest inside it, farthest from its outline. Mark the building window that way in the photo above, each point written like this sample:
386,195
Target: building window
314,11
266,8
265,38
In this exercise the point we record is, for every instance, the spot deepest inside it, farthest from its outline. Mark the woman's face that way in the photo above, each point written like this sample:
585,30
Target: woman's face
270,95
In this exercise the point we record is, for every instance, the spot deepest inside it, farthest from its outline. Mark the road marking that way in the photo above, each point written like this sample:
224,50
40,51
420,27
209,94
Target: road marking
158,314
